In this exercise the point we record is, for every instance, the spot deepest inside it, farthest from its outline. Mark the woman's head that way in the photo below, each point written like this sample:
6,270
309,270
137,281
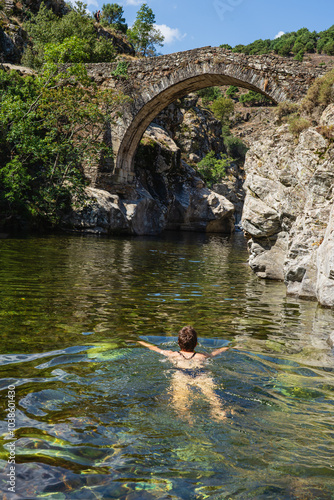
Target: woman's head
187,339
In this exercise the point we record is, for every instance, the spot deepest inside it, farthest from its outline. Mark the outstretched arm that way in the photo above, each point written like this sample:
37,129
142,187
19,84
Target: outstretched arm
223,349
154,348
218,351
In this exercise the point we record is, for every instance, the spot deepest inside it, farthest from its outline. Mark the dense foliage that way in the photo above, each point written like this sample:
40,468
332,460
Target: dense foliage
50,125
213,168
295,43
112,17
209,94
252,98
45,27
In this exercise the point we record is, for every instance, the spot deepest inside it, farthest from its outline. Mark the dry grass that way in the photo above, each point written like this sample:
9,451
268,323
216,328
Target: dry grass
297,124
285,109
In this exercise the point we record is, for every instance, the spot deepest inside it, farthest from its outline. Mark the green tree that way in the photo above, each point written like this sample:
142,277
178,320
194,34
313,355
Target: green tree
143,34
240,48
213,168
222,108
50,125
298,42
329,48
300,56
298,47
112,16
209,94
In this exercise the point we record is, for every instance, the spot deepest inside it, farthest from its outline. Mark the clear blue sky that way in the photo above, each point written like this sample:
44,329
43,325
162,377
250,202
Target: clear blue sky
188,24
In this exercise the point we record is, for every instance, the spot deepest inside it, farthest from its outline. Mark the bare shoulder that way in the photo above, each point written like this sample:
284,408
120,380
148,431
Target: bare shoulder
170,354
201,356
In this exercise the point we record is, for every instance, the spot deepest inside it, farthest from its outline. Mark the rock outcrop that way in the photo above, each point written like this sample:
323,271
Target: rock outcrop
194,128
288,212
13,39
168,194
196,132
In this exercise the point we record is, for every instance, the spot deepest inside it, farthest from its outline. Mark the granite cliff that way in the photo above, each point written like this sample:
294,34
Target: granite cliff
288,214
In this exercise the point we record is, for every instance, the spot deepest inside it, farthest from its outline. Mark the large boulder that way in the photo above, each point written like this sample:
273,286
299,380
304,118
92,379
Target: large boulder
144,214
197,208
267,255
100,213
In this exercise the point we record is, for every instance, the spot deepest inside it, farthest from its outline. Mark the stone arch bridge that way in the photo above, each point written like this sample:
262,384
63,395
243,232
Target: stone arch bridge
154,83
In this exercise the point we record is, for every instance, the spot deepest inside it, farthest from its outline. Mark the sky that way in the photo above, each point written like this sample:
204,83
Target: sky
189,24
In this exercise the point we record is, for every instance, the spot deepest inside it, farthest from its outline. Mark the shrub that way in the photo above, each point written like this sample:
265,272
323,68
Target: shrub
235,148
222,108
209,94
212,169
300,56
122,70
232,91
253,99
286,108
297,124
320,93
329,48
327,132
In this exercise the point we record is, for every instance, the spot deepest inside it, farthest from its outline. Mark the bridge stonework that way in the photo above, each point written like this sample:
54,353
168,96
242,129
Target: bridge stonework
154,83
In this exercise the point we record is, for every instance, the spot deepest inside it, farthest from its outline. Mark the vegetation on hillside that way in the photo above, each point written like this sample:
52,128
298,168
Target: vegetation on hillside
45,27
214,98
50,125
321,93
300,116
295,43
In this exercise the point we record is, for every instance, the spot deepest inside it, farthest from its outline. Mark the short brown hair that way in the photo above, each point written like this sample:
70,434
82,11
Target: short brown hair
187,338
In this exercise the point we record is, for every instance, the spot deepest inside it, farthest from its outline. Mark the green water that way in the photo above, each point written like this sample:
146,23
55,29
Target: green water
95,414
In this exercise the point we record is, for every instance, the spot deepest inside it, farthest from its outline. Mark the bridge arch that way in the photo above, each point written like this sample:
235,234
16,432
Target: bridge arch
154,83
154,99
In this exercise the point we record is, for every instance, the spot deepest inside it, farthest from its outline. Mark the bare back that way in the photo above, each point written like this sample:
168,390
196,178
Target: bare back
186,360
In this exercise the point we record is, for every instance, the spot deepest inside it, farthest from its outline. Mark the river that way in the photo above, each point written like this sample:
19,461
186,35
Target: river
99,416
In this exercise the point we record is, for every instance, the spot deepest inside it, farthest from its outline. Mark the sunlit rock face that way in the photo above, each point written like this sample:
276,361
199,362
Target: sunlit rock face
288,212
168,194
